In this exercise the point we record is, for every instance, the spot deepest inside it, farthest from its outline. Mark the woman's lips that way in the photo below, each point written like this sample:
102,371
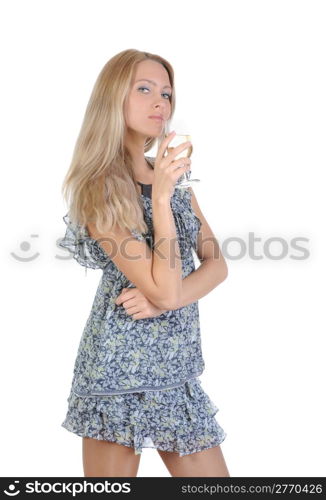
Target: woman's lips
156,118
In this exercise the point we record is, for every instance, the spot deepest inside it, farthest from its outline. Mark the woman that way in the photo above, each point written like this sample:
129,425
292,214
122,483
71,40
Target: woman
135,381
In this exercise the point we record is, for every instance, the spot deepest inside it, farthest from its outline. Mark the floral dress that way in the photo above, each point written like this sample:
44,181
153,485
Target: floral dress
135,382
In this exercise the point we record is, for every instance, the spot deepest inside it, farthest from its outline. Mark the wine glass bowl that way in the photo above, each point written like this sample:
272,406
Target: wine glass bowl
185,179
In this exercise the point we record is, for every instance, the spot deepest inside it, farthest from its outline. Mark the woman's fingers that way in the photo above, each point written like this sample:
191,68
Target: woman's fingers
164,144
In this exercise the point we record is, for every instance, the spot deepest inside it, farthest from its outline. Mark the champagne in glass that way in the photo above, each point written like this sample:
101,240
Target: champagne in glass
185,179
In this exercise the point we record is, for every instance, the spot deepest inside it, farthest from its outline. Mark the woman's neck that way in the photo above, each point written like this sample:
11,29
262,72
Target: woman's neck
145,173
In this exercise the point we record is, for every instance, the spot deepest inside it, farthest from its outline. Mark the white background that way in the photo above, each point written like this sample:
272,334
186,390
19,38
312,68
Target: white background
250,82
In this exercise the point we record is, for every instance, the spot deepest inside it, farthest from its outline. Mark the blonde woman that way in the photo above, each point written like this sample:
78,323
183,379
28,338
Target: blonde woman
135,380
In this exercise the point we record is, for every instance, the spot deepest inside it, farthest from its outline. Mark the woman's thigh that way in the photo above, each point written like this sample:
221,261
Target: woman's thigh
108,459
206,463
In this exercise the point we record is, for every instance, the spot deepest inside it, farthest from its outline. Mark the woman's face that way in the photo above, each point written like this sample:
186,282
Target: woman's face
148,98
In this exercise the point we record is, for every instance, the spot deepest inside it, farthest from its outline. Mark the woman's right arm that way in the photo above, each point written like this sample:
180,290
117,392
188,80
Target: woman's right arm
158,273
166,258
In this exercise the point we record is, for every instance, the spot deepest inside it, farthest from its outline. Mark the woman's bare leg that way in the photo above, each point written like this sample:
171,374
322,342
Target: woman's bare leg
108,459
206,463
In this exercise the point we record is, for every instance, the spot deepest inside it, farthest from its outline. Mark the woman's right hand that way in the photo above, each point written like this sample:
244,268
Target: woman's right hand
167,170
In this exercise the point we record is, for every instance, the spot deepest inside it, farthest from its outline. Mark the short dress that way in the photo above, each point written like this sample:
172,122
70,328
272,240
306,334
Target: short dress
136,382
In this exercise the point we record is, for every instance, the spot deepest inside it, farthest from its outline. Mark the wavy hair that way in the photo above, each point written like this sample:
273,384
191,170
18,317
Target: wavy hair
100,185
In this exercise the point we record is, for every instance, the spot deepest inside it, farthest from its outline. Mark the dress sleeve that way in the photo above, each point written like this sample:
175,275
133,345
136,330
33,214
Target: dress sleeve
84,249
195,219
187,223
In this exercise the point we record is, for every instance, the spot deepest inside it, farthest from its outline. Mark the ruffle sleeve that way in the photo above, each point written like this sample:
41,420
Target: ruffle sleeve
84,249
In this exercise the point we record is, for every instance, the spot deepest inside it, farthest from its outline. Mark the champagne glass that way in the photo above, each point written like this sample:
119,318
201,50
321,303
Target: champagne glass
185,180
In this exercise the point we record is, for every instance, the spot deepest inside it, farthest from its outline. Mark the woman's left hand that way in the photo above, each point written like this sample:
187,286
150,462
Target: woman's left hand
137,305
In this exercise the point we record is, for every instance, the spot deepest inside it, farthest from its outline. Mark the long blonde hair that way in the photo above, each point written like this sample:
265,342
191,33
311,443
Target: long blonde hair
100,185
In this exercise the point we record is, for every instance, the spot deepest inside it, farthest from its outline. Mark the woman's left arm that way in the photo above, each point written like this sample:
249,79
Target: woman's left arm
213,268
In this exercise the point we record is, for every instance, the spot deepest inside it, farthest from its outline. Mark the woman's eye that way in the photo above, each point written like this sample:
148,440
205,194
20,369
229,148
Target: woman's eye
141,88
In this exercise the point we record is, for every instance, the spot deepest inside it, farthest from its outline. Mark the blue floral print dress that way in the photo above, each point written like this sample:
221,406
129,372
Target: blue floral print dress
135,382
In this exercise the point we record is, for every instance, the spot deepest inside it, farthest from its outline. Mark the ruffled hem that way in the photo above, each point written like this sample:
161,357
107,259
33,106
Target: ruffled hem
177,420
